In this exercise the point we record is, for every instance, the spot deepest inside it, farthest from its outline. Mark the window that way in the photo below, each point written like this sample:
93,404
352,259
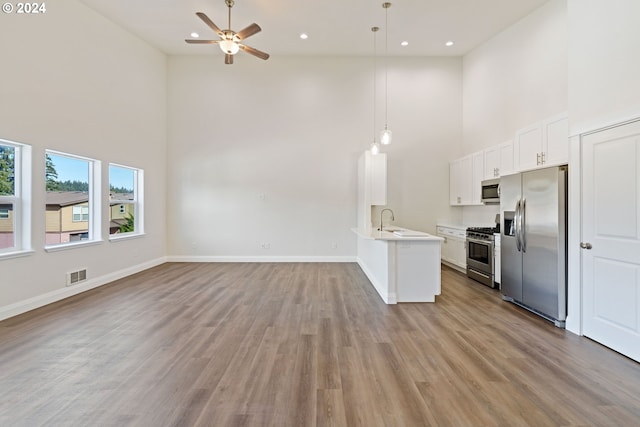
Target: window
125,201
80,213
72,213
15,192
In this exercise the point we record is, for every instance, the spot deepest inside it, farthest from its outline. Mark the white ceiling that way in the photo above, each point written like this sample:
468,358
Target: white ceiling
335,27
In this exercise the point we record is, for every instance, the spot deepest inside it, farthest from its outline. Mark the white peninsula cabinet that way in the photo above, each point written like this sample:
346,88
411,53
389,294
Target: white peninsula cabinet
403,265
454,250
542,144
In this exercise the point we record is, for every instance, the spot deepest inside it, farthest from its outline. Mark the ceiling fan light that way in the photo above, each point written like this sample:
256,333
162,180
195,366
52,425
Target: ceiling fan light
385,136
229,47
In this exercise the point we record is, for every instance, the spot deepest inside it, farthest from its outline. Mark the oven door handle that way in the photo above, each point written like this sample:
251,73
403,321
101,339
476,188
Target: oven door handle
482,242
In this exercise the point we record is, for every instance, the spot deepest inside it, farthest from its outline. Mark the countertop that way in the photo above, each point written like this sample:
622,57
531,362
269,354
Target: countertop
388,234
452,225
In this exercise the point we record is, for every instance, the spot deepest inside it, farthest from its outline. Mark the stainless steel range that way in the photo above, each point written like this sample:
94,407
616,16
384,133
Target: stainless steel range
480,246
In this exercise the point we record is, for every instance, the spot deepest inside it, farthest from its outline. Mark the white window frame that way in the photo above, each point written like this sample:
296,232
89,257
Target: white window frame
83,216
95,214
21,201
137,202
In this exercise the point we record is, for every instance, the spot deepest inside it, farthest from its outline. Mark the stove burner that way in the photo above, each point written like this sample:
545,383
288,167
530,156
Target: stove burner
483,233
485,230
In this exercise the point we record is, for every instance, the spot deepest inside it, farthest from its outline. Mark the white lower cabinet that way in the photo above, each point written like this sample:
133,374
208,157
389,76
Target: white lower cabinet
454,249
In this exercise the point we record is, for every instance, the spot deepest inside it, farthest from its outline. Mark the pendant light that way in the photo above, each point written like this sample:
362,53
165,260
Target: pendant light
385,135
375,147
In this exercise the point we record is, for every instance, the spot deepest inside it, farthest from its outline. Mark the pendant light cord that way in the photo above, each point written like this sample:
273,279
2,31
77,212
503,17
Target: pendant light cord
375,67
386,60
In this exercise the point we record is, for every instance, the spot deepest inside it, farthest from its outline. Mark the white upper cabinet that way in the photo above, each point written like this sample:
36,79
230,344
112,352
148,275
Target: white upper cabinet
527,147
543,144
372,186
378,176
465,178
556,136
477,175
498,160
460,181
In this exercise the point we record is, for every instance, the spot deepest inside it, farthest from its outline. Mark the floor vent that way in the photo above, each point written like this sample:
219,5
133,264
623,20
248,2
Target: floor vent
76,277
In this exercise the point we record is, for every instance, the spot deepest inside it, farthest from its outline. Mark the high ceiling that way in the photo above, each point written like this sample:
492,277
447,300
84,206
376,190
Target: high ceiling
335,27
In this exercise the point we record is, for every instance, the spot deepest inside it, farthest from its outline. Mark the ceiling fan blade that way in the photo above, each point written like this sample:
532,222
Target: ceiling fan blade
210,23
254,52
190,41
249,31
228,59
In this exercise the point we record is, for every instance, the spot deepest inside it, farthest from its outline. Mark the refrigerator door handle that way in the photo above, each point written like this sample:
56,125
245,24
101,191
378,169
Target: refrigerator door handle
516,220
523,225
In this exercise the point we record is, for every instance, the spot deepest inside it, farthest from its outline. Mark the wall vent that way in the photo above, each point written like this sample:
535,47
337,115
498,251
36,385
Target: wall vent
75,277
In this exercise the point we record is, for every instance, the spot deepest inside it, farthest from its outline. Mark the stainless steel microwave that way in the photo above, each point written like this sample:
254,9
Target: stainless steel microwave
491,191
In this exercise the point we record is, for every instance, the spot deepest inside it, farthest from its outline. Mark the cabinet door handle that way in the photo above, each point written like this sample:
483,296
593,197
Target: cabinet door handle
538,159
497,171
543,157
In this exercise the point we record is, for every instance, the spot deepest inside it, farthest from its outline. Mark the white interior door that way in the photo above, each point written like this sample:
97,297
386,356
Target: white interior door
611,227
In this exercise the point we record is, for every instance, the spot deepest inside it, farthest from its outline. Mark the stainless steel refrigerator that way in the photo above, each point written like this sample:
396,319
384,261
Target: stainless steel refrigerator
533,208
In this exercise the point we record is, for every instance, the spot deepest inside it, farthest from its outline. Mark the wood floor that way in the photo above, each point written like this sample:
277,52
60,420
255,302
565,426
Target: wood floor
301,345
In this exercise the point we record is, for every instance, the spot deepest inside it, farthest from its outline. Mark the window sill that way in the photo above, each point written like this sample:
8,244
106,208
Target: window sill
16,254
71,245
125,236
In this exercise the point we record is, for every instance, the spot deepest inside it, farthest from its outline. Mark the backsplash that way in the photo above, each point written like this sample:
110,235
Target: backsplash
480,216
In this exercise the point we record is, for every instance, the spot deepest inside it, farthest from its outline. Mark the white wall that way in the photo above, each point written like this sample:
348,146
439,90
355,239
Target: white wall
513,80
604,89
266,152
516,78
74,82
604,63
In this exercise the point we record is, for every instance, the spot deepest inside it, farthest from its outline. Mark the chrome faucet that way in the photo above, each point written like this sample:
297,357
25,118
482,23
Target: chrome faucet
381,212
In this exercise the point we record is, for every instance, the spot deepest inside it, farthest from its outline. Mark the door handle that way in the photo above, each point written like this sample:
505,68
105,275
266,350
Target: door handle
523,225
585,245
516,220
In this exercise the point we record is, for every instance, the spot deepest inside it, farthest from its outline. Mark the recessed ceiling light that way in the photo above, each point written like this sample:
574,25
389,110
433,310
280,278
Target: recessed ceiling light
404,43
304,36
195,35
449,43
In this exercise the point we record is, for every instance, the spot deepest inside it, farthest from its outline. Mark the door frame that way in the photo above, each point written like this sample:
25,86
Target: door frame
575,301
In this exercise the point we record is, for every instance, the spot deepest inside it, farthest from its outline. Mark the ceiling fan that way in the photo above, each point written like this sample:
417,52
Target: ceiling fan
230,40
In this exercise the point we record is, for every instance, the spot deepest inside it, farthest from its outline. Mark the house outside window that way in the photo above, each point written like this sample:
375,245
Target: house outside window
72,213
125,201
15,191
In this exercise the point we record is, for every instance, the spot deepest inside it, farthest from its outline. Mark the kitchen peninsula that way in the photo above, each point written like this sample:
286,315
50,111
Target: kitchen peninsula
403,265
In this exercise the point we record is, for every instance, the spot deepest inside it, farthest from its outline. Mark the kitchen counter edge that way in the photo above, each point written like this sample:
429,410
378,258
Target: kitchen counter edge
388,235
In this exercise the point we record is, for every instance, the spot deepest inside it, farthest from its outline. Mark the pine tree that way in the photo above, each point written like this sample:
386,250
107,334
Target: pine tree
51,175
7,170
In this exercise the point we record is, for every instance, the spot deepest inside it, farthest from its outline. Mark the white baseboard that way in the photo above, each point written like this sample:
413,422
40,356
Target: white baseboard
187,258
60,294
387,297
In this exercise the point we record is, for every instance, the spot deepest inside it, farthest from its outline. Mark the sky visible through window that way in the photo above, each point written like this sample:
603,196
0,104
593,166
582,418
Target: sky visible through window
70,169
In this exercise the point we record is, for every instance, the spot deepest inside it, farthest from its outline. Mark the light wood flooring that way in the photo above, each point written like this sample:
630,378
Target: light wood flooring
301,344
